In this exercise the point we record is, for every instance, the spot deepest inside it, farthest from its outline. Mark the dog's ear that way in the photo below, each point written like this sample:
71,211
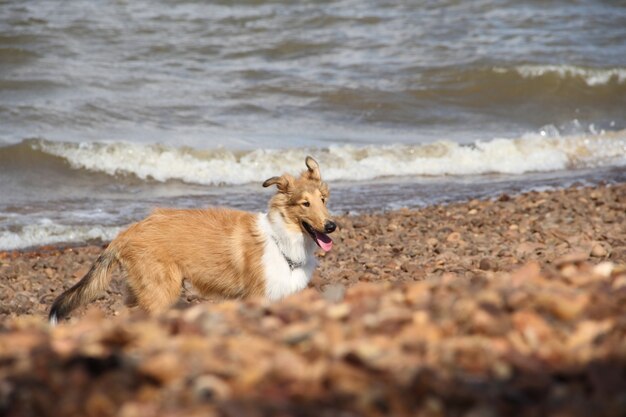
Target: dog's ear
314,169
283,183
324,189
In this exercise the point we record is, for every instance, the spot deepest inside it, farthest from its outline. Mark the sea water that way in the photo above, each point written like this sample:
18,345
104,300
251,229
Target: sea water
110,109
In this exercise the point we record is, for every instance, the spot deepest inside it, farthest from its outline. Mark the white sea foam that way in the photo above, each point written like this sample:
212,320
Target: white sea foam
47,232
591,76
530,153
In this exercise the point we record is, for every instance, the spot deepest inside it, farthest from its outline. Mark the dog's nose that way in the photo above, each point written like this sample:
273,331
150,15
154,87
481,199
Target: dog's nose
330,226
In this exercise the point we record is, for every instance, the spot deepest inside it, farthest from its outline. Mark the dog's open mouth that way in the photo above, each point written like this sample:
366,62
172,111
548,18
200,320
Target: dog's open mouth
322,239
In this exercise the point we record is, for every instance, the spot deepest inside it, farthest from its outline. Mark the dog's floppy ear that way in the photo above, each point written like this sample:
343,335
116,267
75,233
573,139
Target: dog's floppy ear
283,183
314,169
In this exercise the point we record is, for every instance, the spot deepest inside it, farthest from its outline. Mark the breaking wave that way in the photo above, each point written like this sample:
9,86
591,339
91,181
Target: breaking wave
49,232
545,151
591,76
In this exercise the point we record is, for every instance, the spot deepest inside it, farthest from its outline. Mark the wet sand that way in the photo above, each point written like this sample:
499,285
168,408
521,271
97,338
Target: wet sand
505,307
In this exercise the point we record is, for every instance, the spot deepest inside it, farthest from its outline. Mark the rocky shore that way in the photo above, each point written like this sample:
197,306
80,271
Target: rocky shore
508,307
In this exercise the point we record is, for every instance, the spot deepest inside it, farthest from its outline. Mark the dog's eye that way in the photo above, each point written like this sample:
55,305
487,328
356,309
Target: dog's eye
323,200
306,203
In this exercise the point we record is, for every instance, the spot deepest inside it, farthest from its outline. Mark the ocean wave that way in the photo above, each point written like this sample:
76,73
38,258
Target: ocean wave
541,152
591,76
49,232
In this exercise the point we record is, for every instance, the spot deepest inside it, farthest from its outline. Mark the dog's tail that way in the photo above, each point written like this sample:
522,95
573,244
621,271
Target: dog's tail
87,289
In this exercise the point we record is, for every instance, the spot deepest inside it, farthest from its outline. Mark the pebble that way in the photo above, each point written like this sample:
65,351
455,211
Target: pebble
571,258
334,292
338,311
210,387
598,250
604,269
487,265
454,237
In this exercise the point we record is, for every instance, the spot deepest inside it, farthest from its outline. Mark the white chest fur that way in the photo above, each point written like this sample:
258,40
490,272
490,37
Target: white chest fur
283,247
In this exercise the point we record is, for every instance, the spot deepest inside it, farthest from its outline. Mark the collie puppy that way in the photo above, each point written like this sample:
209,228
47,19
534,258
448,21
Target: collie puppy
224,252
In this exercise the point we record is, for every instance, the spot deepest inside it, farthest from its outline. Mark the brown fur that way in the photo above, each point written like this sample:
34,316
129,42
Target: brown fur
293,193
218,250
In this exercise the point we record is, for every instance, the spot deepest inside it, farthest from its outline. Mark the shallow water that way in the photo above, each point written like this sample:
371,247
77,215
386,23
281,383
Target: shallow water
109,109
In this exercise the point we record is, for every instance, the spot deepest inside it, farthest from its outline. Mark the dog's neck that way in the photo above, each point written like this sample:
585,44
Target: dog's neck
296,248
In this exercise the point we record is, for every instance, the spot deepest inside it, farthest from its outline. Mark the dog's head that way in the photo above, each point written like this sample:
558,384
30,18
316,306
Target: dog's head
302,203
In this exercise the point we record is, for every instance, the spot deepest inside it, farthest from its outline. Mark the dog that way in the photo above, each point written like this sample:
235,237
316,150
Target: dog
231,253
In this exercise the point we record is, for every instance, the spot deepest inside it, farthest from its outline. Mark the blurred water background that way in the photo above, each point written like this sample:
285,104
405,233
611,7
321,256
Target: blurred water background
110,108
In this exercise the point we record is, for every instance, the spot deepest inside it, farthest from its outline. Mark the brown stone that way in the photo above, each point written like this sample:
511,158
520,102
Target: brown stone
487,265
454,237
165,367
598,250
571,258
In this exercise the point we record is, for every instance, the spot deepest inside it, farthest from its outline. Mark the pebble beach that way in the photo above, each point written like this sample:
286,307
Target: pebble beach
509,306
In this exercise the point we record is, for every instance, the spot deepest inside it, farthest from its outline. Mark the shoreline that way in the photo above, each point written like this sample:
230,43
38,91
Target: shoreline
49,248
56,227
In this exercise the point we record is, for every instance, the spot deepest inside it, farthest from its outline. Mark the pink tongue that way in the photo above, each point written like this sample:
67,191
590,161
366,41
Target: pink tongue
324,242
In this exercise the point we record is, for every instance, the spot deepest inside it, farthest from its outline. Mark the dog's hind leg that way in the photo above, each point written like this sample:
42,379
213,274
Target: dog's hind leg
130,297
156,288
